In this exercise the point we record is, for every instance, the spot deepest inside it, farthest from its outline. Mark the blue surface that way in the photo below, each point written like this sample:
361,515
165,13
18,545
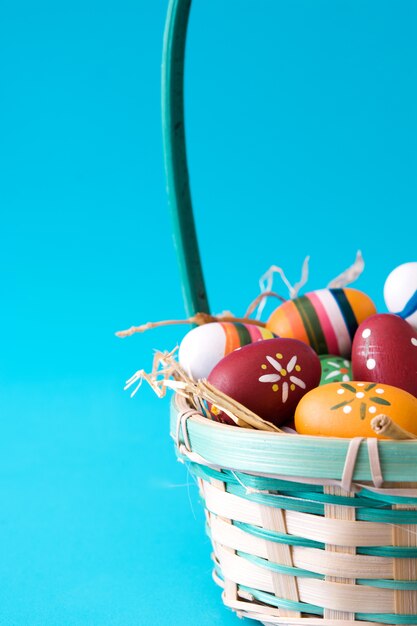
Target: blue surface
302,129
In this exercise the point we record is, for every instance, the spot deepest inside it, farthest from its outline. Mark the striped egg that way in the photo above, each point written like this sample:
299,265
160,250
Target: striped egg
204,346
325,319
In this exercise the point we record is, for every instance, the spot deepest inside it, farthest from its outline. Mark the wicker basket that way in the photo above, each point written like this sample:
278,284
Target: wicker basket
305,530
302,531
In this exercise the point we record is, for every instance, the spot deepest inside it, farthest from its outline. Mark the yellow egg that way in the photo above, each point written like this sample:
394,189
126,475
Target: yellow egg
346,409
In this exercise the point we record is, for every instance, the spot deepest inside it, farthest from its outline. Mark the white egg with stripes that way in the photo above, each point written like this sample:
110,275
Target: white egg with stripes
204,346
400,292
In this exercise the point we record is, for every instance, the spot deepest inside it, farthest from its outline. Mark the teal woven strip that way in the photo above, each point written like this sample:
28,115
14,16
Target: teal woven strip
365,499
296,502
249,480
380,583
281,603
277,501
267,598
383,497
206,473
364,514
395,552
235,488
400,552
281,569
273,484
265,484
357,502
383,618
387,618
276,537
387,516
305,506
284,487
305,502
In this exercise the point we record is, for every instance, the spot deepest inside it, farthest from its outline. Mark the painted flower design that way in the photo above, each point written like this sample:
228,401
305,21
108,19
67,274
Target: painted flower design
282,377
367,394
339,370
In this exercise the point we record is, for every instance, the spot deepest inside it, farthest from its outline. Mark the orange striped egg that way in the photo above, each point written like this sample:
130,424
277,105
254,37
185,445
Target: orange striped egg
204,346
325,319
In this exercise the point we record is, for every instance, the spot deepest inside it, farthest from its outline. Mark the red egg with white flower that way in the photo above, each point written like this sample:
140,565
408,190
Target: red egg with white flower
269,377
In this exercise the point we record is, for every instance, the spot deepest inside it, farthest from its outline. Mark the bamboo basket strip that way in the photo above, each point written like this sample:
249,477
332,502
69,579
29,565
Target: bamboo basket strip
309,559
285,585
277,454
260,604
293,540
305,621
252,484
307,503
289,571
301,622
254,596
338,512
313,527
230,588
405,569
343,597
246,606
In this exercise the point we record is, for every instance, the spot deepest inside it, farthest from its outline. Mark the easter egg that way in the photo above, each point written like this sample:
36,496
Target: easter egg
325,319
347,409
334,369
268,377
400,292
385,350
204,346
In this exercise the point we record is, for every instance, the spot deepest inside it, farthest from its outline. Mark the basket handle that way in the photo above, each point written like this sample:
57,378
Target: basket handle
185,237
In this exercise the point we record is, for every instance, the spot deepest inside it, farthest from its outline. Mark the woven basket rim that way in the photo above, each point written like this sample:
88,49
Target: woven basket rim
241,433
273,453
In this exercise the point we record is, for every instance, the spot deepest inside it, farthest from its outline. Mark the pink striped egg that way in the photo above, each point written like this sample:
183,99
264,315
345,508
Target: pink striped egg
325,319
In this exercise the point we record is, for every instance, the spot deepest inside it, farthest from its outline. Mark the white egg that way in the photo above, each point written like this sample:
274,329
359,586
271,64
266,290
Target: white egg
204,346
201,349
400,292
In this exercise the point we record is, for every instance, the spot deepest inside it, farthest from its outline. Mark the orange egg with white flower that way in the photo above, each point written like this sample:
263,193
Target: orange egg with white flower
345,409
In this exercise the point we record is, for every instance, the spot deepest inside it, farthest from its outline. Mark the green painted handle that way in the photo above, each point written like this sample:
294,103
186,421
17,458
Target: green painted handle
185,238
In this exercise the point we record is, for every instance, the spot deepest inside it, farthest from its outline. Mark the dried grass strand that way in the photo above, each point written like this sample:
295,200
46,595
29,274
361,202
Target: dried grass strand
167,373
262,296
199,319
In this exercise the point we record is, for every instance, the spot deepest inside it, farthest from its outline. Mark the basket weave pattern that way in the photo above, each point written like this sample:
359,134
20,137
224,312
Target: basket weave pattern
289,551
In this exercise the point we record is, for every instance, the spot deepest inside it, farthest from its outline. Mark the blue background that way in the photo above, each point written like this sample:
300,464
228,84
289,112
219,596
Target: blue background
302,138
